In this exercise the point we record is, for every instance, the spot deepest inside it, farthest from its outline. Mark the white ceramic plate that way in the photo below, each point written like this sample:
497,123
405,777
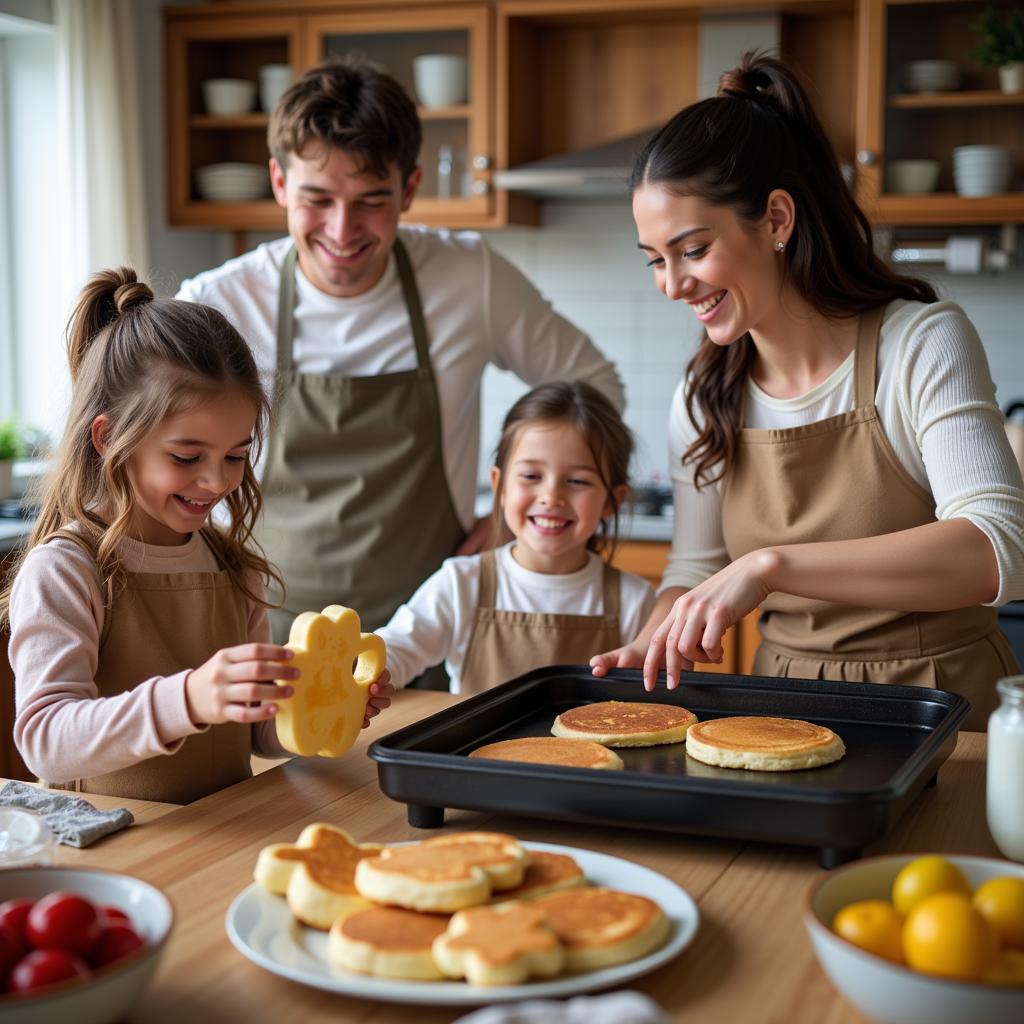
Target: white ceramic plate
262,928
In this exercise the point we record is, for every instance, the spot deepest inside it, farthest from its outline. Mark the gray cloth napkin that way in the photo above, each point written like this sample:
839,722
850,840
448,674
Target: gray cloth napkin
73,821
614,1008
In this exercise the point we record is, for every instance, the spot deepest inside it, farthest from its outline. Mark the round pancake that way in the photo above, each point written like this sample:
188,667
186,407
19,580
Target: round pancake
601,927
551,750
763,744
619,723
388,942
547,872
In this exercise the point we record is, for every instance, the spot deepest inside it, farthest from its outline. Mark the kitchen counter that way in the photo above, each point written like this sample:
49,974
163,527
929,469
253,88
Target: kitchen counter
751,960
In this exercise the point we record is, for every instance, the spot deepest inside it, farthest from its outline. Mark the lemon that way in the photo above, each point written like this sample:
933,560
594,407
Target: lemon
923,877
1001,902
945,935
873,925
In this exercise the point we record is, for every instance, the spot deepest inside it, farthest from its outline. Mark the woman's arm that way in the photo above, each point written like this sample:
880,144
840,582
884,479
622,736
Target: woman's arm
936,567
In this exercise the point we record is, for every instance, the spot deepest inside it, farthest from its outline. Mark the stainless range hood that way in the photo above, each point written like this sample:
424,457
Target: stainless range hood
598,171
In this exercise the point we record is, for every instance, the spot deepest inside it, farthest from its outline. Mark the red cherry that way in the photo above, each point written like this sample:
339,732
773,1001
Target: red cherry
114,913
45,967
118,940
13,914
12,949
63,920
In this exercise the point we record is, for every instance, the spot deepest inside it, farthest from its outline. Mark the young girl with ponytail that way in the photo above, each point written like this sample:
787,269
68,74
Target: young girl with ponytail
838,455
139,634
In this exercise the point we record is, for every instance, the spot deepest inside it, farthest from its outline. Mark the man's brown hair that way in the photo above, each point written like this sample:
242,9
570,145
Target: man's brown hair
354,105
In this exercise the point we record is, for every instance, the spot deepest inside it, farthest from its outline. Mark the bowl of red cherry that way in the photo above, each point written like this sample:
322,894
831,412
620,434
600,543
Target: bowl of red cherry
77,944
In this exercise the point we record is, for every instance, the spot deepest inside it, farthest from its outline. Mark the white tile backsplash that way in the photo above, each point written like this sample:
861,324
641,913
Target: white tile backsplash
584,259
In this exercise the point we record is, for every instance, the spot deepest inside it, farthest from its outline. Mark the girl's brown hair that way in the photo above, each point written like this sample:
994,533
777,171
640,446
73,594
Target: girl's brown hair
600,426
758,134
138,360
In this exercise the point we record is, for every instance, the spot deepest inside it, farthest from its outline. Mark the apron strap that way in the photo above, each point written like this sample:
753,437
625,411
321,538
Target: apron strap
610,590
414,307
866,357
285,308
488,579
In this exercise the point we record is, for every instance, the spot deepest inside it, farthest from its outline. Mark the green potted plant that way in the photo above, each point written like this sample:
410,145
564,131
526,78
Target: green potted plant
11,448
1001,45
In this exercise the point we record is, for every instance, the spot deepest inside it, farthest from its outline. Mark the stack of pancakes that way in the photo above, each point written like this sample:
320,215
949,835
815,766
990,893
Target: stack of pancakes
473,905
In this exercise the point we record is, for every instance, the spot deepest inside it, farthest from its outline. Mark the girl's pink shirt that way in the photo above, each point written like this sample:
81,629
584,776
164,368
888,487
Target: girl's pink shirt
63,729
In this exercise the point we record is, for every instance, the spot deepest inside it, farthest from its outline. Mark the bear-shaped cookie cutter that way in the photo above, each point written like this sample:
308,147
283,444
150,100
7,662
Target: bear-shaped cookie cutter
338,664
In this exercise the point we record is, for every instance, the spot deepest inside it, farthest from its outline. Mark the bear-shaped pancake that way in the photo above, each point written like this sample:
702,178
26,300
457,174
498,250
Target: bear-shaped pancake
338,664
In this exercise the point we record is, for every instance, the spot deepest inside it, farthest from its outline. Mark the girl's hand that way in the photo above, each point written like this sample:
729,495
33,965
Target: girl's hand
694,628
235,684
628,656
381,693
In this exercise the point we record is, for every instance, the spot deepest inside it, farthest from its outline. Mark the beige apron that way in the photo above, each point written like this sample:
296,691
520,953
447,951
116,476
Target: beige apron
506,644
159,624
357,506
839,479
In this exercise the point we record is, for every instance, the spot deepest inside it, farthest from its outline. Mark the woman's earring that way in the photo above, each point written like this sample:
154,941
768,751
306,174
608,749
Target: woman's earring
780,246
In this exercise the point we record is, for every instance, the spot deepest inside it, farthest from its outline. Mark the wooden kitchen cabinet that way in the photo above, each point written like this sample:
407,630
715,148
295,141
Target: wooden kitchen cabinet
894,123
647,559
234,40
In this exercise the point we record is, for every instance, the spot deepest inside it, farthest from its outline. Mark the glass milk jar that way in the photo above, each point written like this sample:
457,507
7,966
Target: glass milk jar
1005,783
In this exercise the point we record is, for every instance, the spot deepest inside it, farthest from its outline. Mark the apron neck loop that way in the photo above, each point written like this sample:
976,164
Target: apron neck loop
866,357
411,294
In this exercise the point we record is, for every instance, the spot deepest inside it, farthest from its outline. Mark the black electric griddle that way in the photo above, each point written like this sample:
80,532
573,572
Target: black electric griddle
896,738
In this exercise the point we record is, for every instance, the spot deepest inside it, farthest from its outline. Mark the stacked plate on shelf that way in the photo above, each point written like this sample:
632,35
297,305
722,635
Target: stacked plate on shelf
233,182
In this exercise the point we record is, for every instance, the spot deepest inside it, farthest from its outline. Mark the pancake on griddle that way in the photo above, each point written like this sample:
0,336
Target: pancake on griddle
551,750
763,744
601,927
548,872
389,942
619,723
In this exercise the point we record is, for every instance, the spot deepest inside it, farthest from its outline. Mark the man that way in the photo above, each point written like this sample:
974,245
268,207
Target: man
379,336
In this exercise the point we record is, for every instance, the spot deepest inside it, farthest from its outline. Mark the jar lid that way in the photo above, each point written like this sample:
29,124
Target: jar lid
25,838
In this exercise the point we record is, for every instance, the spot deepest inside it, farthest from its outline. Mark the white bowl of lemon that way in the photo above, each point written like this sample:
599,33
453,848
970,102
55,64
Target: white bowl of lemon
912,939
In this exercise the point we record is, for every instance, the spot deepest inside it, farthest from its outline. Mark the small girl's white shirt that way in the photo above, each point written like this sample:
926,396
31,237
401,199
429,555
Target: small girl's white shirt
436,623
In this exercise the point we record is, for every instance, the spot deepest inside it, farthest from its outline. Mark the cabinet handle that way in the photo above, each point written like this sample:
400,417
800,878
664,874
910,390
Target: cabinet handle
480,187
481,162
866,157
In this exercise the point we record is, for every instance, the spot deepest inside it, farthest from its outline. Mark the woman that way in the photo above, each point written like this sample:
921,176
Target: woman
838,455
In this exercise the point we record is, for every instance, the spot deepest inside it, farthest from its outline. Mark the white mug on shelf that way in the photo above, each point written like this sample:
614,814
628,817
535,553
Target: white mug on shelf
441,79
274,79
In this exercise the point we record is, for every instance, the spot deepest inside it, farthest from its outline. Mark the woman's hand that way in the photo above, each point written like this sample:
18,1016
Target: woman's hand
381,693
236,685
693,630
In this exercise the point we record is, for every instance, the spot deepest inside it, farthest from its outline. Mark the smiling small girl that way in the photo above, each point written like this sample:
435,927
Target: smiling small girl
139,634
549,596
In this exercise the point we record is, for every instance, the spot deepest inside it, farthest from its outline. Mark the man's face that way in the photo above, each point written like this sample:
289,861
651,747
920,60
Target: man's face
343,220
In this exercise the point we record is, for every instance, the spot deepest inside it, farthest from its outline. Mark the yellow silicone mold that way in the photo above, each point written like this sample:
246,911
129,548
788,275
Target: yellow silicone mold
338,663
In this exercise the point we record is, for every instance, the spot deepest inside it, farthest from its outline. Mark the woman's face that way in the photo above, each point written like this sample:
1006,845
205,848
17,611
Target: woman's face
726,270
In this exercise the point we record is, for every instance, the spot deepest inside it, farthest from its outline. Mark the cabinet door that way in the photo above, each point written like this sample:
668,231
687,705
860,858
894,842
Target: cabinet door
900,119
217,161
456,157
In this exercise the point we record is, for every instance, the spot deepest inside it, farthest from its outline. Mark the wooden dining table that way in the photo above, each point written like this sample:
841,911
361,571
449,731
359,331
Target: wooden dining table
750,961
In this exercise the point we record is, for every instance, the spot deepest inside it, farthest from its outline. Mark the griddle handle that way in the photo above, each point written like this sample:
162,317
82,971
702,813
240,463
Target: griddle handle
832,856
422,816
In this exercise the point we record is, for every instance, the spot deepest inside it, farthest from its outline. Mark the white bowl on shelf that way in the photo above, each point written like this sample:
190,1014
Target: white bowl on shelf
226,97
441,79
232,182
911,177
931,75
891,993
982,170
